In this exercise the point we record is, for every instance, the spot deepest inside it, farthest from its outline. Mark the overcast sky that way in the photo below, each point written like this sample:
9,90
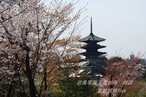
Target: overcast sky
121,22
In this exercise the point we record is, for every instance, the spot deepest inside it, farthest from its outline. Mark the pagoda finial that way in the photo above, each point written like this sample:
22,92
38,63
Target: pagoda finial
91,27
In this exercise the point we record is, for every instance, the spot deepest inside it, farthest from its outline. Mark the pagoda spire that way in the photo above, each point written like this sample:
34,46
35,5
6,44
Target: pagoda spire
91,27
91,36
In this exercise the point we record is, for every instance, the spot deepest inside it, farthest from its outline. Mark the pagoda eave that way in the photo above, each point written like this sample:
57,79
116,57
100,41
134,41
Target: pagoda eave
94,54
92,38
87,41
95,47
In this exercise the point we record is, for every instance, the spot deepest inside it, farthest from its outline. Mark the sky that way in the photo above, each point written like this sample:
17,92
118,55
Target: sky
121,22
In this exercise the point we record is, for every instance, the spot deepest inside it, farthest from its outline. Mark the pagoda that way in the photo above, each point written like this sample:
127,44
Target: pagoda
95,58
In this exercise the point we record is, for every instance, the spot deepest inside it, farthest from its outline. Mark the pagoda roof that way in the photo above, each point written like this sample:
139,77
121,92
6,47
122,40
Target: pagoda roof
92,37
94,54
93,46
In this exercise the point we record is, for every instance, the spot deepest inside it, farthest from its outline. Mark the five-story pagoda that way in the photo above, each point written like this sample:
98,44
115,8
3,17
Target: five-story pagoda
95,58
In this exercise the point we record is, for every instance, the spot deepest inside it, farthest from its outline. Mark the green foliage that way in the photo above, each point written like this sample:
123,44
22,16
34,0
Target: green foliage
15,88
69,88
139,89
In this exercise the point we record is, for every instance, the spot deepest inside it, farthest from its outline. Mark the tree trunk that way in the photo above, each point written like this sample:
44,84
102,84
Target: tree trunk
111,87
32,87
10,90
45,82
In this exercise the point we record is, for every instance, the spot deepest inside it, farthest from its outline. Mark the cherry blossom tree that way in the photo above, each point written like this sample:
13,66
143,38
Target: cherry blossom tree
29,32
121,76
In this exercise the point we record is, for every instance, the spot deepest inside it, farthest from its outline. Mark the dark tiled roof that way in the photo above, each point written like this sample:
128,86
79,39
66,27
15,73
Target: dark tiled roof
92,37
97,46
94,54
